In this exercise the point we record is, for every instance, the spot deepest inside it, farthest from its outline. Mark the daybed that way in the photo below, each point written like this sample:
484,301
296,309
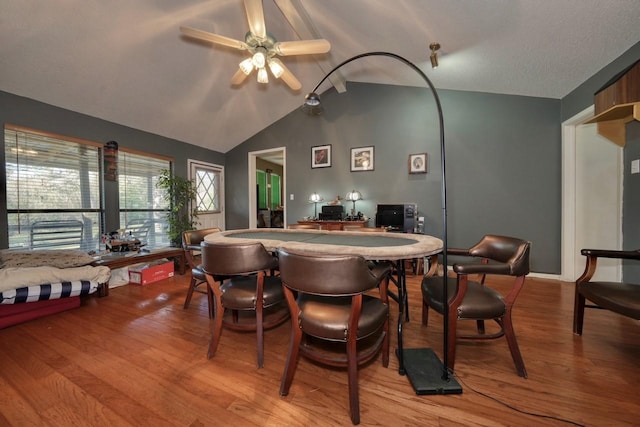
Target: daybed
39,283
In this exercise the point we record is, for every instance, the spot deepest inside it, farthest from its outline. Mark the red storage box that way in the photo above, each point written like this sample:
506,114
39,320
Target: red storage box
144,274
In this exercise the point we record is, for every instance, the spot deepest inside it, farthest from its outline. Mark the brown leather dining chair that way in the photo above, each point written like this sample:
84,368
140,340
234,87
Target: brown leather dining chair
329,309
621,297
191,240
245,297
473,300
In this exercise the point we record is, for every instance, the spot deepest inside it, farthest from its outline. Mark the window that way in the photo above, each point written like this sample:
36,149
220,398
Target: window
142,206
207,181
53,190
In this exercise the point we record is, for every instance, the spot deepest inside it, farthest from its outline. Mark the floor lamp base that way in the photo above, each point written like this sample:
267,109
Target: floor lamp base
424,370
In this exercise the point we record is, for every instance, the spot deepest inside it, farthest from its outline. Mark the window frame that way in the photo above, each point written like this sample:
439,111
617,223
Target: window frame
91,193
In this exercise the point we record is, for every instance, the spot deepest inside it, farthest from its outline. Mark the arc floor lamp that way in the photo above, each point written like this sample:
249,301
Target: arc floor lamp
425,371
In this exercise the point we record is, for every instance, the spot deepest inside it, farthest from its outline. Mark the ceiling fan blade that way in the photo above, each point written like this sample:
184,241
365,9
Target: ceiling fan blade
238,77
255,16
213,38
302,47
291,80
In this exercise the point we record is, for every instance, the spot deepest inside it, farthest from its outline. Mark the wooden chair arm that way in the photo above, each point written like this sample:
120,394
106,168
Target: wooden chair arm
606,253
592,260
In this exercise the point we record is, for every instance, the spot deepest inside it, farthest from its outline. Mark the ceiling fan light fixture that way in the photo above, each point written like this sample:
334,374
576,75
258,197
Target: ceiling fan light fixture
262,76
276,67
258,59
434,54
261,46
247,66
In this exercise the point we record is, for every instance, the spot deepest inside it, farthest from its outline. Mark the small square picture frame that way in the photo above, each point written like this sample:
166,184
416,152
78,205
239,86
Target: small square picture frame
321,156
362,159
418,163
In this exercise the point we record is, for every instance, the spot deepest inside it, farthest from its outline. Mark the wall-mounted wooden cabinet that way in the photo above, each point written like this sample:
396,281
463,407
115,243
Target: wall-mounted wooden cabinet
617,103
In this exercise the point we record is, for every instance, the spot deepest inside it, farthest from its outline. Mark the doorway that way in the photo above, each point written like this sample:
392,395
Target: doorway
269,215
592,179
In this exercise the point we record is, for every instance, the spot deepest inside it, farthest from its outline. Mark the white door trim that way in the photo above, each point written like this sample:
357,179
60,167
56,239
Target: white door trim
569,268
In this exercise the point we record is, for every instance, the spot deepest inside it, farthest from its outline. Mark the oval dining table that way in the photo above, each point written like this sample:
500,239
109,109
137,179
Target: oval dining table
375,246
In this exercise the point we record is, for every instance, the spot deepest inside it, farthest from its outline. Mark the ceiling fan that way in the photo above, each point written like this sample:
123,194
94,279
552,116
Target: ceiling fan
263,48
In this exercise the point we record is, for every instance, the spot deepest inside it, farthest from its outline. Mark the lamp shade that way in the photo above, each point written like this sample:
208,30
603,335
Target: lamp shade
315,198
354,195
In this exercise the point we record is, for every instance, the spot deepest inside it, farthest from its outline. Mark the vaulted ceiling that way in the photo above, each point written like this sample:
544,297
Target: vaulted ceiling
126,61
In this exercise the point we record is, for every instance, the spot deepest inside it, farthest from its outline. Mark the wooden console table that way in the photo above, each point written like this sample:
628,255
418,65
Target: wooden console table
122,259
335,225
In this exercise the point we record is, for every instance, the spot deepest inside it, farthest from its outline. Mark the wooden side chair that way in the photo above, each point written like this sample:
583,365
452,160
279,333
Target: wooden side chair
620,297
329,309
244,296
473,300
191,241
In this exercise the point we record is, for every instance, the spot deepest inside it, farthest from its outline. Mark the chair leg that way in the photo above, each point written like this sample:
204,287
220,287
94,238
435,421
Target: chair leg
385,344
260,334
578,313
352,368
451,338
480,326
211,302
425,313
187,300
217,325
510,335
292,359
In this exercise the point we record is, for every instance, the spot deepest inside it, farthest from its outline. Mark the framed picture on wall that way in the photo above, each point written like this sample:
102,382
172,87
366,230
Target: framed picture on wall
321,156
362,159
418,163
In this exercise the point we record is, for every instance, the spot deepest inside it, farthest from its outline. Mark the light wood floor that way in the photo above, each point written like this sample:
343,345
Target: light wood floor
137,358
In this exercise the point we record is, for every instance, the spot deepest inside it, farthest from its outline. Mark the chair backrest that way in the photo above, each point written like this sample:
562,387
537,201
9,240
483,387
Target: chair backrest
509,250
57,234
229,259
193,238
325,274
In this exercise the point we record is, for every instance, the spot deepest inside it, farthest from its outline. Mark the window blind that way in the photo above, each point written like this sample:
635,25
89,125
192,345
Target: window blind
52,182
142,206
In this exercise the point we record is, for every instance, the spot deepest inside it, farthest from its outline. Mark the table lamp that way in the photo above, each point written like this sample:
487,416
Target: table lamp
353,196
315,198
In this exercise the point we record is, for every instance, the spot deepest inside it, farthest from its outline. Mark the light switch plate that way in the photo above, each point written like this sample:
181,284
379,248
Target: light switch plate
635,166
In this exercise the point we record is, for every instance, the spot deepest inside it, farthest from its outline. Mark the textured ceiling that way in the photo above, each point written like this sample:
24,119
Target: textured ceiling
126,62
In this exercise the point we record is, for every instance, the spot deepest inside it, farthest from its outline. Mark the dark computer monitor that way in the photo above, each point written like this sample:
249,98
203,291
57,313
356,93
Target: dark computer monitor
397,217
332,212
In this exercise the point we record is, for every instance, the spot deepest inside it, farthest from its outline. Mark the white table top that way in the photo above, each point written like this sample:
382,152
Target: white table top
370,245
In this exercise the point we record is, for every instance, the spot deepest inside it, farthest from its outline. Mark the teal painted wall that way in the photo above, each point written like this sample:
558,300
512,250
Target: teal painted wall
503,161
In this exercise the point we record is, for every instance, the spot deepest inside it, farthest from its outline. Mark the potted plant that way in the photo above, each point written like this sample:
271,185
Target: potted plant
182,215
